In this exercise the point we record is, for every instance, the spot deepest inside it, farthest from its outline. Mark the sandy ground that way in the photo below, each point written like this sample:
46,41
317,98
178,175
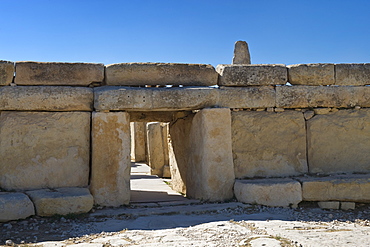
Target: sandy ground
197,224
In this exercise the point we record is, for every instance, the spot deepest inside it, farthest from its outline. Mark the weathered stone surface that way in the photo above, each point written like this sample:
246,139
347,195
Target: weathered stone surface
241,53
154,99
352,74
339,142
281,192
246,97
311,74
329,205
58,74
140,74
15,206
210,174
46,98
347,205
252,75
6,72
353,188
152,116
61,201
179,150
110,168
157,147
267,144
44,149
319,96
138,141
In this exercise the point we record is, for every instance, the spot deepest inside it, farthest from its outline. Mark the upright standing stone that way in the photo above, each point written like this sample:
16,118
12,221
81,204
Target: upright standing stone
110,174
241,53
139,141
210,174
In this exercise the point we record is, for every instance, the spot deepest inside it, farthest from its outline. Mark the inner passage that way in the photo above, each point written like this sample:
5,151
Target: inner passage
150,170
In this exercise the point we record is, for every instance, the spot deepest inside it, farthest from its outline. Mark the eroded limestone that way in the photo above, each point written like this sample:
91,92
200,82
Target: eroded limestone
6,72
311,74
15,206
352,74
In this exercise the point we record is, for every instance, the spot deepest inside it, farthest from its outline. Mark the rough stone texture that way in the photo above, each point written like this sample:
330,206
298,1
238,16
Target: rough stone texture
252,75
330,96
140,74
347,205
154,99
267,144
329,205
352,74
179,148
339,142
353,188
210,174
6,72
44,149
241,53
270,192
110,168
15,206
61,201
311,74
62,74
46,98
157,140
138,141
246,97
152,116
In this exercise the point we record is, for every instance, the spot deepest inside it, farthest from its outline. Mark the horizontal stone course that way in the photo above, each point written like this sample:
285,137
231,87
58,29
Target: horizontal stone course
252,74
277,192
15,206
58,74
311,74
46,98
322,96
140,74
353,74
6,72
61,201
353,188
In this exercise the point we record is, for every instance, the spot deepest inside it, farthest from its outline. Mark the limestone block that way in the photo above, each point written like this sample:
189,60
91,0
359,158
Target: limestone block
210,173
247,97
319,96
138,141
46,98
339,142
179,151
58,74
6,72
44,149
154,99
329,205
268,144
157,145
353,188
281,192
61,201
110,168
241,53
347,205
15,206
140,74
352,74
152,116
252,74
311,74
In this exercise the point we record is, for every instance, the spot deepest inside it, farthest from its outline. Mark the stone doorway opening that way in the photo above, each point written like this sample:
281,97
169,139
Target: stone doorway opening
150,176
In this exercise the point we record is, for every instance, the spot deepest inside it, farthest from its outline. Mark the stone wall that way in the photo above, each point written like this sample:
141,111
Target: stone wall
63,124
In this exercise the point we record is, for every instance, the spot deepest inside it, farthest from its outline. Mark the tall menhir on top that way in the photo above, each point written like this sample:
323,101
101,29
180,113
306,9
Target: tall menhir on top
241,53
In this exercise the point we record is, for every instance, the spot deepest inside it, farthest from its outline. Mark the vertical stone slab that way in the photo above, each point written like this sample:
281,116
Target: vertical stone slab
210,174
241,53
6,72
110,171
140,141
157,145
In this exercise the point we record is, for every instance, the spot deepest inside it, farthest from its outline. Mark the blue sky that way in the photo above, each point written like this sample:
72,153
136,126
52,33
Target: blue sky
188,31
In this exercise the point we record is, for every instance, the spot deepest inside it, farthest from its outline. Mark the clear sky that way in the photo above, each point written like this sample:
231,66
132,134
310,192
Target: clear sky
185,31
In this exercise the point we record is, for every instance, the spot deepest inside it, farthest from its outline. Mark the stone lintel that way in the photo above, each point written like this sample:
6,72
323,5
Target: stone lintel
141,74
58,74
